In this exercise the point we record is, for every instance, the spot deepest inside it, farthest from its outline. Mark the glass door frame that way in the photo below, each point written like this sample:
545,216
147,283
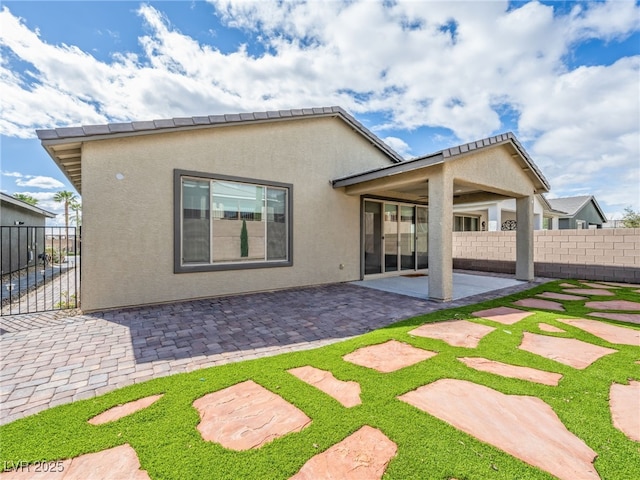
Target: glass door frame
398,270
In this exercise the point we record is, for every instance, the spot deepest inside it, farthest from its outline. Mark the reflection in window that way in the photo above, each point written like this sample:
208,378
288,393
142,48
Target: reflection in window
231,222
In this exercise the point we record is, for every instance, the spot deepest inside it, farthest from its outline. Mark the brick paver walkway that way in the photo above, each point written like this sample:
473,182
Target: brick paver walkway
83,356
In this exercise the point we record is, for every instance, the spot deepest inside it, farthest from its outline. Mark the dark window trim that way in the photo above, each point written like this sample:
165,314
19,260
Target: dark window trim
178,267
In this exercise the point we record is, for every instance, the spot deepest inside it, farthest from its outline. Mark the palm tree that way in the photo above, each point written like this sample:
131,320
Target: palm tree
26,198
68,198
76,207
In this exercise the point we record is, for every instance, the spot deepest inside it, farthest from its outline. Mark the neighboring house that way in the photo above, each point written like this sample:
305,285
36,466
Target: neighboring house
21,243
501,215
580,212
230,204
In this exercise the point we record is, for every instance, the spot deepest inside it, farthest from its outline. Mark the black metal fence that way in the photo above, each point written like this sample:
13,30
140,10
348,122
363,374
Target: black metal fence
40,269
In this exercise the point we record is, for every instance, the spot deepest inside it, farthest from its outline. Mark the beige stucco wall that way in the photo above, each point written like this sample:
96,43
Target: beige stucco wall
128,222
489,170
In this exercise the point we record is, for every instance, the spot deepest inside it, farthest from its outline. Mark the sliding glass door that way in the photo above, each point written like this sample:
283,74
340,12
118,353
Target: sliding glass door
372,244
394,237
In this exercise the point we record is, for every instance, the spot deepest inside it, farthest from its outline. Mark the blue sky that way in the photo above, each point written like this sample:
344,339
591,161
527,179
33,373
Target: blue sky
422,75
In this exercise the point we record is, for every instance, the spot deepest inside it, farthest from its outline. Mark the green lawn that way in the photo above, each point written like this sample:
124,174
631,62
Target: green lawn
169,446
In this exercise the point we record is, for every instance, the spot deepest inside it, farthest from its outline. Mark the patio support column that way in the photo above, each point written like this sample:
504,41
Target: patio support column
524,238
441,235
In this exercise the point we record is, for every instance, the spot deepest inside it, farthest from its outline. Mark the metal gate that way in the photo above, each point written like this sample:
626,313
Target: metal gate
40,269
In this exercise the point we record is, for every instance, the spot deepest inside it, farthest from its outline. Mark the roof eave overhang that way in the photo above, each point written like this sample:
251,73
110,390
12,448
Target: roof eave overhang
540,183
75,137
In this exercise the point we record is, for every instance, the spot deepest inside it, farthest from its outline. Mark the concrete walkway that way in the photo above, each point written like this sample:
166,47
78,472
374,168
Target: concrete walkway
82,356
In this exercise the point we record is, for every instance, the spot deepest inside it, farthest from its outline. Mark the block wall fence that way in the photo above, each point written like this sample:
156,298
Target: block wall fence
604,254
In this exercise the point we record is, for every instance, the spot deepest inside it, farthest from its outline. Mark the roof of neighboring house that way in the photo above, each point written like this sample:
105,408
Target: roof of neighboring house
27,206
447,155
548,208
572,205
64,144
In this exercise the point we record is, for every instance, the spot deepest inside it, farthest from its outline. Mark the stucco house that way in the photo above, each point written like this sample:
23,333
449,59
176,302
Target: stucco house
229,204
500,215
579,212
21,242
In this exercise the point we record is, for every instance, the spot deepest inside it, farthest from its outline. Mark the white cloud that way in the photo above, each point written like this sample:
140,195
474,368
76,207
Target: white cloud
451,65
12,174
399,146
39,182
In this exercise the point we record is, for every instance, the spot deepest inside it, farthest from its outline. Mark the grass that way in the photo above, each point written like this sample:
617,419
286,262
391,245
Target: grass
169,447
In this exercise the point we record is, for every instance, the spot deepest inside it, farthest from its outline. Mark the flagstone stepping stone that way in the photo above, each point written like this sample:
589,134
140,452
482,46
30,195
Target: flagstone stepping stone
621,317
623,403
246,416
550,328
504,315
569,351
347,393
537,303
363,455
458,333
614,305
116,413
590,291
512,371
389,356
118,463
599,285
620,284
606,331
560,296
523,426
569,285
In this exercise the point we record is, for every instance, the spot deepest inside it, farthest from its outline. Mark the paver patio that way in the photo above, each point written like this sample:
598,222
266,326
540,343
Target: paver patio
49,359
246,415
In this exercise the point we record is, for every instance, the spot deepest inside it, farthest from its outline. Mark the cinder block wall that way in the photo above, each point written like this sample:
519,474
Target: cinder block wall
605,254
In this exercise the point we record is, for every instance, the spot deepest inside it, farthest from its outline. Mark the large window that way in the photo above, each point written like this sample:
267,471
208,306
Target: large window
226,223
463,223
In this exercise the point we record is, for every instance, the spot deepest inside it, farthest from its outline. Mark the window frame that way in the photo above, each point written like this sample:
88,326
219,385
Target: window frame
462,216
180,267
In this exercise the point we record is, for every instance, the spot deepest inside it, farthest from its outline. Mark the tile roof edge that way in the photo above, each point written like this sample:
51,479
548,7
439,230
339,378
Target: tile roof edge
94,132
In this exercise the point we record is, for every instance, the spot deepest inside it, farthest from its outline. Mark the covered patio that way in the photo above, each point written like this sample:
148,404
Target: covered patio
495,168
417,285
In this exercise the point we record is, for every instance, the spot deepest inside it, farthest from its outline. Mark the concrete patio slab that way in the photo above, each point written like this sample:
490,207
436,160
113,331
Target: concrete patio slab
464,285
347,393
625,413
525,427
569,351
614,305
621,317
512,371
457,333
363,455
606,331
247,416
389,356
120,411
504,315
